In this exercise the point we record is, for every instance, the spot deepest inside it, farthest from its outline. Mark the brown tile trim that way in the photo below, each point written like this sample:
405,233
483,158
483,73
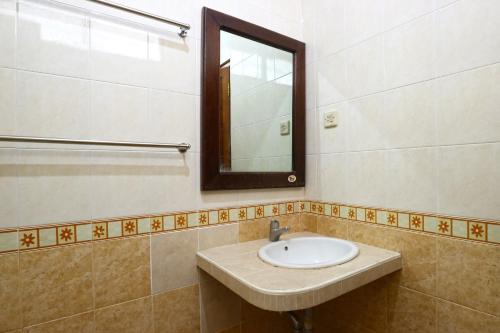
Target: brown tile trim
465,228
51,235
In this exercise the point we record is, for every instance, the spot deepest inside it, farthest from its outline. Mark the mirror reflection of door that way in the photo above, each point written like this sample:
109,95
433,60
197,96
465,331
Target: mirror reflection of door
256,106
225,112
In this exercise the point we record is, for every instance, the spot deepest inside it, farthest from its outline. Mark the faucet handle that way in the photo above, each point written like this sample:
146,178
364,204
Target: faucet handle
275,224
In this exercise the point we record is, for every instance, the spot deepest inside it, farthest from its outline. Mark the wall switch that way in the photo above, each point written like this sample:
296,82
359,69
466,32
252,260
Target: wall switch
330,119
285,127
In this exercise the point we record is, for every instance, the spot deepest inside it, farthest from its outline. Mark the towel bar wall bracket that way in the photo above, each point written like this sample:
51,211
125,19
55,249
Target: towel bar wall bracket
183,26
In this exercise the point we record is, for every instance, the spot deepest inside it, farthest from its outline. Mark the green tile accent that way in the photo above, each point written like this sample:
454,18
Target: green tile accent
344,212
404,220
328,210
430,224
47,237
382,217
84,232
9,241
169,222
213,217
360,214
459,228
233,214
193,220
268,210
494,233
250,213
114,229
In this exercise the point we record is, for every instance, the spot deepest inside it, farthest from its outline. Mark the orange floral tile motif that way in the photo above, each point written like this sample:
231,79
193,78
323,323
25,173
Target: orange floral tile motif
275,210
416,222
477,231
351,213
180,221
99,231
242,214
259,212
129,227
335,210
223,216
314,208
66,234
156,223
289,208
302,206
27,239
392,219
370,215
320,209
444,226
203,218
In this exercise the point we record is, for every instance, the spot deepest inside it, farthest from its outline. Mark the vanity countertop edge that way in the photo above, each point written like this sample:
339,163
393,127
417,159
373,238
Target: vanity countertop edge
238,267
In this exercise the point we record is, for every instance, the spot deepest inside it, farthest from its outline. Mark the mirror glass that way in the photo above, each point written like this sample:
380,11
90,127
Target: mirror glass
255,100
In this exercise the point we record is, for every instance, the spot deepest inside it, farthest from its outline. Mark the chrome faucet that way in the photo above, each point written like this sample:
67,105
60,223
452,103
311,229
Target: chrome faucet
275,231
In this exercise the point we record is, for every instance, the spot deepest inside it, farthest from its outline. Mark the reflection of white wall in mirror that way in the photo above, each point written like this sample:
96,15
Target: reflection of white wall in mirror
261,101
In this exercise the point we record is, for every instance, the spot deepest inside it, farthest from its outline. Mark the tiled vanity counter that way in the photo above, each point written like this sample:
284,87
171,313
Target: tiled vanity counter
239,268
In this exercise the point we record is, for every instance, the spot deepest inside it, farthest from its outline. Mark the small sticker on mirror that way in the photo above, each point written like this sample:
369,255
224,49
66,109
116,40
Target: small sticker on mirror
292,179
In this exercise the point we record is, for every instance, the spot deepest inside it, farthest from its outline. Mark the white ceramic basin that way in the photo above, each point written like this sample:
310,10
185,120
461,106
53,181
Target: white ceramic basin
308,252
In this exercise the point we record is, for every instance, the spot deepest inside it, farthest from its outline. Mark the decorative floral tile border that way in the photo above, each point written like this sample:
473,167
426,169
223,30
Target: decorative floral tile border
465,228
44,236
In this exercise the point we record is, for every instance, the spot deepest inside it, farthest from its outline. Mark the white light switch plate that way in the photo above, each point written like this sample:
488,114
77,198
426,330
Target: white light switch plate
330,119
285,127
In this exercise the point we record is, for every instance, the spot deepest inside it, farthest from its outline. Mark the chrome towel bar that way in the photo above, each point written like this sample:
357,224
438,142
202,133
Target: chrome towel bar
182,147
183,26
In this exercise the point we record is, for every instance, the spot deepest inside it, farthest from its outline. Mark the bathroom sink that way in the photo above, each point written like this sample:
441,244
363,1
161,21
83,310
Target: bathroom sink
308,252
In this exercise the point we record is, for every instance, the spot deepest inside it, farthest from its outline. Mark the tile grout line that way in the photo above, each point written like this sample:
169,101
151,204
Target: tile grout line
437,77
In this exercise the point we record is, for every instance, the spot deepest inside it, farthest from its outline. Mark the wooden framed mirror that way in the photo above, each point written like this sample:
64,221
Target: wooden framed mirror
252,106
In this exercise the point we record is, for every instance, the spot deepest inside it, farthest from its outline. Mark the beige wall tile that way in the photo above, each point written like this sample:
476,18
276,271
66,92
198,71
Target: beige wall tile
55,283
466,104
132,317
332,169
81,323
121,270
173,260
177,311
235,329
65,174
419,261
52,106
333,227
466,185
418,252
10,316
384,237
220,307
308,222
218,236
453,318
254,229
361,310
410,311
467,274
262,321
